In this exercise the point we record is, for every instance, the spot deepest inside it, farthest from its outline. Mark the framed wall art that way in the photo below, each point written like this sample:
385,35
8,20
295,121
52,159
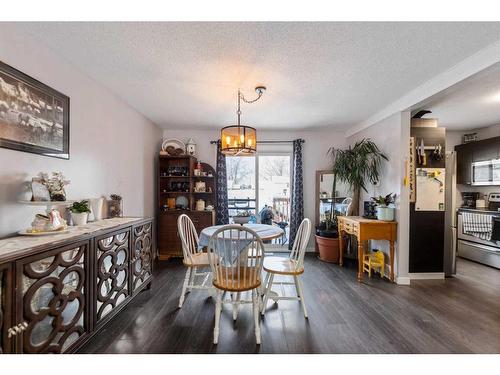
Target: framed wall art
33,116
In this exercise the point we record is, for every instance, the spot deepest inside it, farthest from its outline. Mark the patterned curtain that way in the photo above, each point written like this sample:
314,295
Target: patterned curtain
221,210
297,204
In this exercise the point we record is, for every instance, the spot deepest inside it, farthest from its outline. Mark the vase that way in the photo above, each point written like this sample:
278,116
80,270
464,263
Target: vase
79,218
385,213
115,208
96,205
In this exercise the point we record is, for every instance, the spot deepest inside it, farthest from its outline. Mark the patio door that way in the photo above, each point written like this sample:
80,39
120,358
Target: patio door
254,182
274,189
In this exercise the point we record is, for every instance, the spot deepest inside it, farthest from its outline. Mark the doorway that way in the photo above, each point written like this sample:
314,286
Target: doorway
257,183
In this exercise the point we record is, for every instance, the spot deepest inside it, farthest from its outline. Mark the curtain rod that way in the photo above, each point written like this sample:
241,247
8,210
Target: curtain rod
269,142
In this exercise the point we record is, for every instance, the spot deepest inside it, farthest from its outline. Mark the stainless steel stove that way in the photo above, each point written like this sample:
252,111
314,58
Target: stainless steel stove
494,201
479,250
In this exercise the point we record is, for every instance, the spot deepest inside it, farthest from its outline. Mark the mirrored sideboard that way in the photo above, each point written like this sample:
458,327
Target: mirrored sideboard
55,294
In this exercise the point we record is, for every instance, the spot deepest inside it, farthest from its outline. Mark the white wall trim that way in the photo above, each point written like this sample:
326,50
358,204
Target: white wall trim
427,276
471,65
403,280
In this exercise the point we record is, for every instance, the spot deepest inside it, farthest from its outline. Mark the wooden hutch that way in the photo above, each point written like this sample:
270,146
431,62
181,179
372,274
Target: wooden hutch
177,195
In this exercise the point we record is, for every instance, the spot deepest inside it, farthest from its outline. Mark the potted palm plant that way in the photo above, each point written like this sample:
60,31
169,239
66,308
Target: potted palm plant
355,166
80,212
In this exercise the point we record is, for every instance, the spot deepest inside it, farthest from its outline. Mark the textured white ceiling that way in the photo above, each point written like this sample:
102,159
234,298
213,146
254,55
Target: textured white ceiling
186,75
470,104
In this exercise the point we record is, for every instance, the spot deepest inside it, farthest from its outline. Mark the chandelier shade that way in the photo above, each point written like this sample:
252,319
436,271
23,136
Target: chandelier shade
238,140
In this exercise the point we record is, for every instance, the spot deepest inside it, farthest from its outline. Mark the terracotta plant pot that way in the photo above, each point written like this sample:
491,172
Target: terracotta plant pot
328,249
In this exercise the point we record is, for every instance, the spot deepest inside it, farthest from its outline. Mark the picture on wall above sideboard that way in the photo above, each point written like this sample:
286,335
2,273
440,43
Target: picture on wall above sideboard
33,116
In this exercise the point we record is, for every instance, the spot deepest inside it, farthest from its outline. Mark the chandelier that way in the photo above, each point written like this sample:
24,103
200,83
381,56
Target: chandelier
240,140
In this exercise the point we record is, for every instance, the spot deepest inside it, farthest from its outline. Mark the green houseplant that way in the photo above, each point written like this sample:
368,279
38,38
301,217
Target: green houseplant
357,165
80,212
385,206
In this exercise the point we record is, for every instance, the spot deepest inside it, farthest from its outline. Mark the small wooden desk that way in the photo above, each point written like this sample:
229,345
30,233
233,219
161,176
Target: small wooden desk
364,230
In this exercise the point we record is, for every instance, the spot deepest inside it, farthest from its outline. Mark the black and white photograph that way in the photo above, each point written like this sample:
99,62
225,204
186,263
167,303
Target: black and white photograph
33,117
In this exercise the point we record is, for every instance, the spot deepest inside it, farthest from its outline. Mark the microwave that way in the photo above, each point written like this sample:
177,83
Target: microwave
486,172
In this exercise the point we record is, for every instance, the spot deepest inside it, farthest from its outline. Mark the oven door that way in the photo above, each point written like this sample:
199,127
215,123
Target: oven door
467,237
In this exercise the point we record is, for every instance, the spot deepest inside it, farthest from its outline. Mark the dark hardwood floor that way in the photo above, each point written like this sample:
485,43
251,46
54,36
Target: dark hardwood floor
456,315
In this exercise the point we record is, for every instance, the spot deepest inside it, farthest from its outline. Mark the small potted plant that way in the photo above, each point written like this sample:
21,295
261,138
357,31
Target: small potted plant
80,212
385,206
242,217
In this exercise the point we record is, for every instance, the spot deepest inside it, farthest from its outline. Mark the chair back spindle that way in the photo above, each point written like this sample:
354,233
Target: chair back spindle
236,256
300,243
189,237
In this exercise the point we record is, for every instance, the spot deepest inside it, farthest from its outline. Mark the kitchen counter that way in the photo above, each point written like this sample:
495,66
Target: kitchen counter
479,210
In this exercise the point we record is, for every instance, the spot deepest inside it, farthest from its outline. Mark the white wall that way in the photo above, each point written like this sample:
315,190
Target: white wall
314,149
112,147
392,137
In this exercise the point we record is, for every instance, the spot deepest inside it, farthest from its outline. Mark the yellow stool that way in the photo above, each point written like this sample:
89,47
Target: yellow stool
374,260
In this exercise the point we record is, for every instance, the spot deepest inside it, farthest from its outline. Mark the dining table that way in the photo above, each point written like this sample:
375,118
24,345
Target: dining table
264,231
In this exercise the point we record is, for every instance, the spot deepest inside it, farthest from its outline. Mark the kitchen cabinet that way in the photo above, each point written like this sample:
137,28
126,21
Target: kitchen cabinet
58,291
486,149
464,161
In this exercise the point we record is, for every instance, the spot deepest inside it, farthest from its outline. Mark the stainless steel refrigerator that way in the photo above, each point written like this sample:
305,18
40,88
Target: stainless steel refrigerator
450,220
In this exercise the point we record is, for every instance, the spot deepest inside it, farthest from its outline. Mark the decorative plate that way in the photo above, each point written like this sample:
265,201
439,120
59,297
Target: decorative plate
26,232
174,146
182,202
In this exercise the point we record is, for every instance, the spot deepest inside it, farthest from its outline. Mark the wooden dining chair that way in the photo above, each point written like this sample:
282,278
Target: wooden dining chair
236,255
193,258
291,266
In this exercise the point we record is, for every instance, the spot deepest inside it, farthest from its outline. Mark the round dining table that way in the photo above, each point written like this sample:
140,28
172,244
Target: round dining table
265,232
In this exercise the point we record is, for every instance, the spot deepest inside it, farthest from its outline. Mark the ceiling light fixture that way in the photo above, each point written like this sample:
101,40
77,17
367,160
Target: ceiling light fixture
240,140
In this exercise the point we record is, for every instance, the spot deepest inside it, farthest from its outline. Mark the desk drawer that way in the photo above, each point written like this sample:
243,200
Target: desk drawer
347,226
355,227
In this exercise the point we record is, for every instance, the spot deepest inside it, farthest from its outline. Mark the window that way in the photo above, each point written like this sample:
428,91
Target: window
254,182
274,185
241,191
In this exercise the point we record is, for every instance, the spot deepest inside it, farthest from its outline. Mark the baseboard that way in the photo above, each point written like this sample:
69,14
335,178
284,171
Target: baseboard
427,276
403,280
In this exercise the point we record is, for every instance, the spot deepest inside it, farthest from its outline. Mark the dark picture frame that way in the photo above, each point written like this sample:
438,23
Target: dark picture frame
33,116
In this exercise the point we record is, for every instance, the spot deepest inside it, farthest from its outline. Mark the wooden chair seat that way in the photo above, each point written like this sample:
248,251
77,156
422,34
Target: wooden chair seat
282,266
197,260
248,279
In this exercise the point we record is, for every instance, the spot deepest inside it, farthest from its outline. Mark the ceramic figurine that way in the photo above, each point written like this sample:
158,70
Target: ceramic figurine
191,147
48,223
